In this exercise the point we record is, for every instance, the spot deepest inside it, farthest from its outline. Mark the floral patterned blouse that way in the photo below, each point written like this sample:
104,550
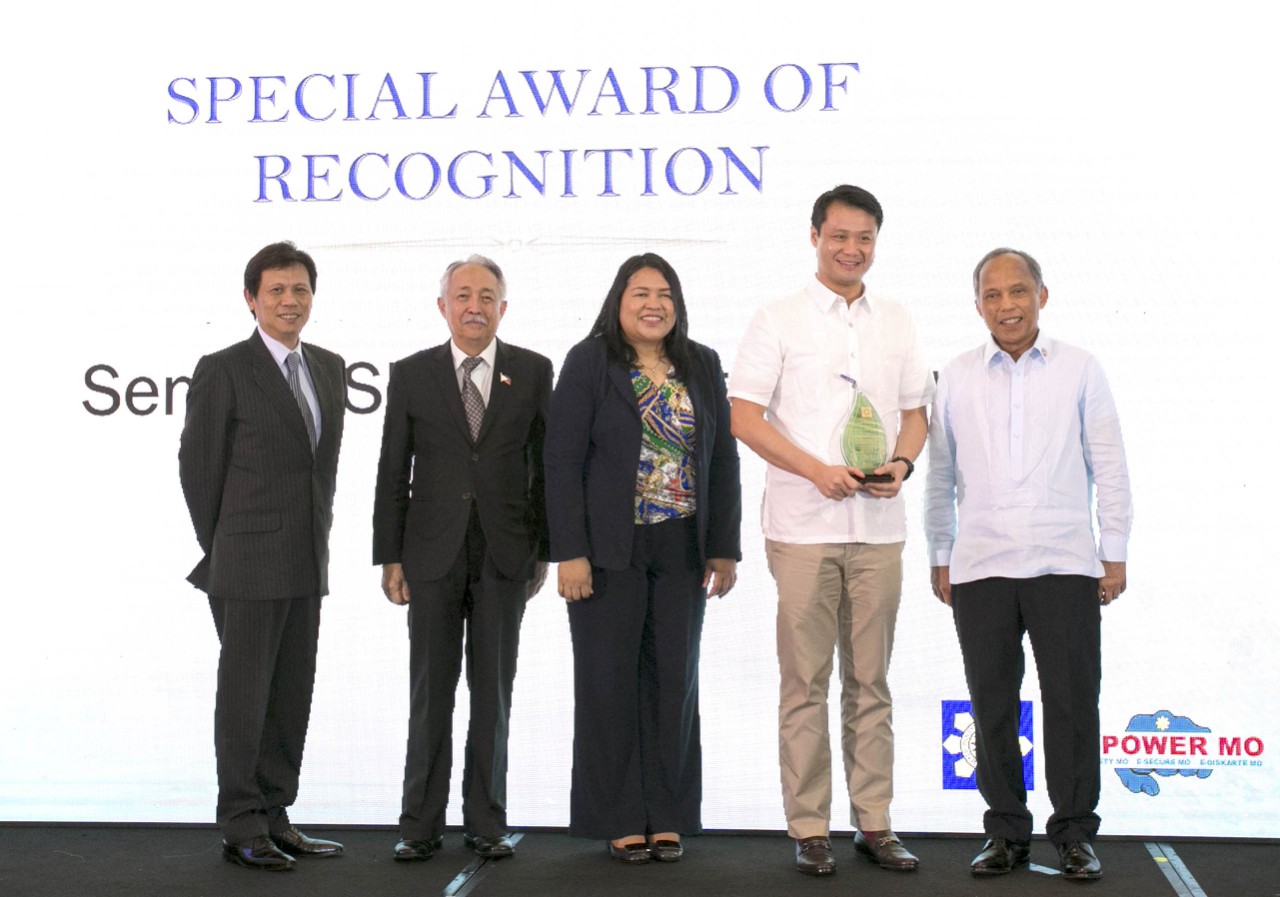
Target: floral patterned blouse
665,478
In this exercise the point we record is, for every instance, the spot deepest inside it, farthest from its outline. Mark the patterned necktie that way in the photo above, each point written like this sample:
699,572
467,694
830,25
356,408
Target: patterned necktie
293,361
471,399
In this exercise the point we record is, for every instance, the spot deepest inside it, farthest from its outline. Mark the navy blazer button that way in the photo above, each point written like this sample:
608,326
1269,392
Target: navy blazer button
475,457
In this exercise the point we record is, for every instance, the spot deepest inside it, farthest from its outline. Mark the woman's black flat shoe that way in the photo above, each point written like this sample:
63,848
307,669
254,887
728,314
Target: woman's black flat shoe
635,852
666,851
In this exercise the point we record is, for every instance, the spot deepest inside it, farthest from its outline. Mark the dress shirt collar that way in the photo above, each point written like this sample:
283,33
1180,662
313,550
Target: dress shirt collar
488,356
824,299
1042,348
279,351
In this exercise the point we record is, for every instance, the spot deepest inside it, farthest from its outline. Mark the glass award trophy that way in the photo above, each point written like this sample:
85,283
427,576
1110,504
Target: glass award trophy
863,444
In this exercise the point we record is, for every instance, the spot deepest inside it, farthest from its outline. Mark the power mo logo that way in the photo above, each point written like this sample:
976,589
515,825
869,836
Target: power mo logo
1166,745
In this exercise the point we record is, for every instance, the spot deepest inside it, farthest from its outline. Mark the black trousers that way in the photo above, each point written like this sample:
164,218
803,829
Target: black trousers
476,606
1063,618
266,673
637,750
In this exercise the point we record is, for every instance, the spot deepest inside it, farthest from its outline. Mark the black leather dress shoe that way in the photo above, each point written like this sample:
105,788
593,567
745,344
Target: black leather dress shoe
490,848
632,854
258,853
1000,855
666,851
1079,862
885,850
814,857
294,842
410,850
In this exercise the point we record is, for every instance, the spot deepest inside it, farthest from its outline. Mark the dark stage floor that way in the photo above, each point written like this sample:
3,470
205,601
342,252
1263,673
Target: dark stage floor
105,861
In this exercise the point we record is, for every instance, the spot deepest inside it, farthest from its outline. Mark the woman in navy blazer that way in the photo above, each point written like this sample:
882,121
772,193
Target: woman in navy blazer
644,507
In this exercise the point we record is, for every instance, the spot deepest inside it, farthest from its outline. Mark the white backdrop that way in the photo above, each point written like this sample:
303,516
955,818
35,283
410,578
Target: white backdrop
1125,149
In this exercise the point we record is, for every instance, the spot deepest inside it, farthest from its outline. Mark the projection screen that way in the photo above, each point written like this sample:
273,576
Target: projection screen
149,155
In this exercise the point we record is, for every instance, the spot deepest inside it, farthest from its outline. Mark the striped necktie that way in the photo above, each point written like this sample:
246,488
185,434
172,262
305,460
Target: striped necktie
294,361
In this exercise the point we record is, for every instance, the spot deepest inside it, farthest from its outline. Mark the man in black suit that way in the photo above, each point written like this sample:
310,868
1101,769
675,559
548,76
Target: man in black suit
258,460
459,527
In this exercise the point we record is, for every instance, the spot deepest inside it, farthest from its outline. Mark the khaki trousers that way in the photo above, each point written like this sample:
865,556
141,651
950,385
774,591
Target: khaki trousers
841,596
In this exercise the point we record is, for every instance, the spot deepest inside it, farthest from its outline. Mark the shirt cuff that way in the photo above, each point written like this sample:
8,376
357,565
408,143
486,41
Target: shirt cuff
940,554
1114,548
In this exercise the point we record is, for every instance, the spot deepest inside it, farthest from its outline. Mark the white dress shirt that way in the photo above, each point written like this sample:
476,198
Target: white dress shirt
1019,448
791,361
482,376
279,351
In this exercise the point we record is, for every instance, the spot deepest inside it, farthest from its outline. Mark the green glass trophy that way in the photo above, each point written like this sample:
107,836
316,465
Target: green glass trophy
863,442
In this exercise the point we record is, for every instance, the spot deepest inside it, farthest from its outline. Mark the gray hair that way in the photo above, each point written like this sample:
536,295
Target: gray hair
1032,265
484,262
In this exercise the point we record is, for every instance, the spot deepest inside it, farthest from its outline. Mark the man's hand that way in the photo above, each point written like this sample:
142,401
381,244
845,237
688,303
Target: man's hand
720,576
895,469
1113,581
835,482
394,585
574,579
940,579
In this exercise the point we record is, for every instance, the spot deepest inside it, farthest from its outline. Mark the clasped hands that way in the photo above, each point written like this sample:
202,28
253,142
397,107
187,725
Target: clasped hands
838,482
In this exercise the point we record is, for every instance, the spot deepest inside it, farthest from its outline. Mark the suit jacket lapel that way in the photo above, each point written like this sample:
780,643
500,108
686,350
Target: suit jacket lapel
270,379
620,378
329,395
499,392
703,395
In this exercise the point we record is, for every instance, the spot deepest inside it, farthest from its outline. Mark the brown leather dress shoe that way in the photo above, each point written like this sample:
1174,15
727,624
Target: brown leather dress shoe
411,850
1079,862
1000,855
885,850
258,853
814,856
489,848
296,843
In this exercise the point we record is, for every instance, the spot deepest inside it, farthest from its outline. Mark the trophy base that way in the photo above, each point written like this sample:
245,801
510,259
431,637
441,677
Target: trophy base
875,478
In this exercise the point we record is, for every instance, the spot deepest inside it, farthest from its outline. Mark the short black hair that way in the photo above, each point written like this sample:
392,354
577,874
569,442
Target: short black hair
1032,265
608,325
277,255
849,196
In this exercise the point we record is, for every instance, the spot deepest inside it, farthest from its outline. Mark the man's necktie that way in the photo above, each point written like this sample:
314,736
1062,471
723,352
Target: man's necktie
293,361
471,399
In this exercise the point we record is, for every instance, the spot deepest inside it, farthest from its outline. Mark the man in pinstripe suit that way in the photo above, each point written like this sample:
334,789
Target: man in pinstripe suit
257,461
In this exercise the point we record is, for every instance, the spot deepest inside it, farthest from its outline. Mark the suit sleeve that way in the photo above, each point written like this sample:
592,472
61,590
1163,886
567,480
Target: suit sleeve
538,481
204,452
724,524
568,441
391,494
